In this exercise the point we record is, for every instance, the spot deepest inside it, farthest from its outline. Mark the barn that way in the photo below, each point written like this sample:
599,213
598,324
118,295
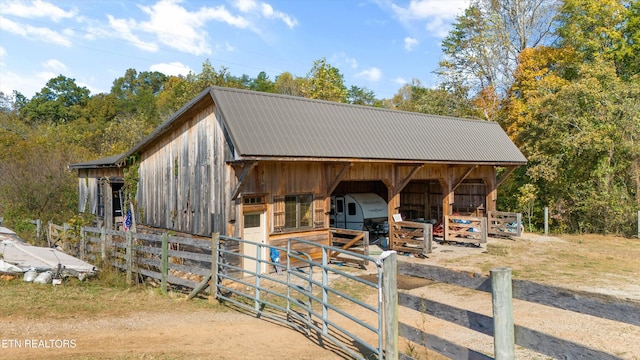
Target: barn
263,166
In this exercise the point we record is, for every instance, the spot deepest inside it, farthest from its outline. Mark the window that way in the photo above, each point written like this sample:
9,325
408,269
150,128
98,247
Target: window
251,220
297,211
352,208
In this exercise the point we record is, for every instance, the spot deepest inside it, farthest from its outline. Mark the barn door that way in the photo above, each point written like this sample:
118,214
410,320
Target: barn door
254,229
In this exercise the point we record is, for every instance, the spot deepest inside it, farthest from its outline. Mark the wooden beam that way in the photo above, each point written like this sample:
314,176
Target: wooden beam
334,183
461,178
504,176
401,184
242,178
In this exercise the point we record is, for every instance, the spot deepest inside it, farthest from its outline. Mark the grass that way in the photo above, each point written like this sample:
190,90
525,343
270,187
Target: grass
106,295
580,260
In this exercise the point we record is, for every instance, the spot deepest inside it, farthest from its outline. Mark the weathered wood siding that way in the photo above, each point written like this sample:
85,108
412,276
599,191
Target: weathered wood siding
184,179
88,187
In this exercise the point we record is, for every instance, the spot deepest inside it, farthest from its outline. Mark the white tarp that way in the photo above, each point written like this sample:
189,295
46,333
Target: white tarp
26,256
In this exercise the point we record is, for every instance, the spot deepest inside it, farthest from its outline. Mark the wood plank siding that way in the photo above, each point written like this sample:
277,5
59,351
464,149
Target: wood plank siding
185,182
229,152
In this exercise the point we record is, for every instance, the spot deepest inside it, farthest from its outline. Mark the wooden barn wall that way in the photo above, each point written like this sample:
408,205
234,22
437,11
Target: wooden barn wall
422,196
184,180
88,187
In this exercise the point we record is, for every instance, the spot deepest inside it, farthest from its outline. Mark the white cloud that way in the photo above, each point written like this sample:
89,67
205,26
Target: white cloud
55,65
436,13
400,81
124,29
372,74
410,43
35,33
37,9
352,62
245,5
180,29
2,52
173,68
268,12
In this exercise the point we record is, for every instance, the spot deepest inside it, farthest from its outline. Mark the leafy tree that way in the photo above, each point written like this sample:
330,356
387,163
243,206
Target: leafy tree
362,96
580,135
60,101
414,97
481,50
36,182
262,83
628,57
135,93
592,28
287,84
325,82
176,92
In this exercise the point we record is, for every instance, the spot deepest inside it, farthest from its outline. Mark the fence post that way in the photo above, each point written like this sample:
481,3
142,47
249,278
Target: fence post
103,244
83,244
390,297
638,224
165,262
213,286
129,257
503,333
546,220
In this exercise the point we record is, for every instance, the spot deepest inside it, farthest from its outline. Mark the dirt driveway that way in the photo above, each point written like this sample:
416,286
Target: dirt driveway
145,325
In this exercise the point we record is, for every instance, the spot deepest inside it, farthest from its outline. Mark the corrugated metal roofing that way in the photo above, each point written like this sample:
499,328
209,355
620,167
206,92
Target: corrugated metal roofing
109,161
263,124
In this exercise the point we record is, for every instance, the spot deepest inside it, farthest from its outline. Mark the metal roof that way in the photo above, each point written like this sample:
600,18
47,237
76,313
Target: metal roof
269,125
264,125
109,161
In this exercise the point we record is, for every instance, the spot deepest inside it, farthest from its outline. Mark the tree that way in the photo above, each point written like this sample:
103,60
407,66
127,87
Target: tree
287,84
262,83
481,50
60,101
592,28
579,125
447,102
628,57
135,93
325,82
361,96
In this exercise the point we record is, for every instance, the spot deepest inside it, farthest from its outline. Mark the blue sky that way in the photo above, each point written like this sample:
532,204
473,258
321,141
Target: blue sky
377,44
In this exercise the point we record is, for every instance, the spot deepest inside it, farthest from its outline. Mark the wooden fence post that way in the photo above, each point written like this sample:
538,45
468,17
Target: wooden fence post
103,245
165,262
546,220
83,244
213,285
129,257
503,333
390,298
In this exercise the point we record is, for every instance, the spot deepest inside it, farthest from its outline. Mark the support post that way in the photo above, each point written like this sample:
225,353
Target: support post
638,224
503,331
103,245
129,257
390,305
165,263
215,253
546,220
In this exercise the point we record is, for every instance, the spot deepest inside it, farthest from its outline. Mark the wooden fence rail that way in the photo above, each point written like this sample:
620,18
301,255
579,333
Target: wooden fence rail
504,223
169,259
465,229
598,305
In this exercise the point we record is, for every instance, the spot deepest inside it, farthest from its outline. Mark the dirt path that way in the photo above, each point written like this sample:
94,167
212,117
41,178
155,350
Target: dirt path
178,331
171,335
